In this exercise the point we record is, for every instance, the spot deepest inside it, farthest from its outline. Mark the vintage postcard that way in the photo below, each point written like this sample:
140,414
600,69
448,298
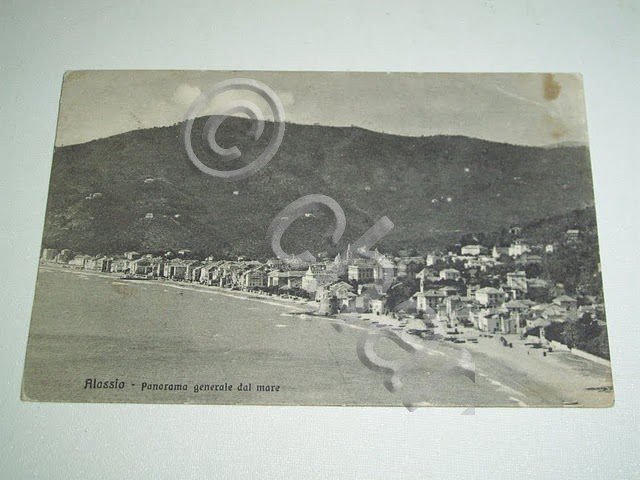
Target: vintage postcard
320,238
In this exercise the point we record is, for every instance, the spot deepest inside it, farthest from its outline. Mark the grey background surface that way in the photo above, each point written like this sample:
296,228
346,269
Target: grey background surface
40,40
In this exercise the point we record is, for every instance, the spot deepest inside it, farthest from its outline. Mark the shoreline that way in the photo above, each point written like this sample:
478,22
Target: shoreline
195,287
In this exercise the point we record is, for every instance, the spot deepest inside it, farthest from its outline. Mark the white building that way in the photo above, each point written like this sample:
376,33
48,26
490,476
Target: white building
490,297
317,276
473,250
449,274
360,273
518,248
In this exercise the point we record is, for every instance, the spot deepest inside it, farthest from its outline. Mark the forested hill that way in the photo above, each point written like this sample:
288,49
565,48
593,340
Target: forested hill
432,188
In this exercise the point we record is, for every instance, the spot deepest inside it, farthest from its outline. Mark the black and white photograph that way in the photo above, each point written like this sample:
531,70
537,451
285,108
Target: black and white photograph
320,238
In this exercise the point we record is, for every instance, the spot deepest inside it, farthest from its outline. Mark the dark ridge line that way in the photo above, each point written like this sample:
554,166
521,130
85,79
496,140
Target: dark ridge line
570,144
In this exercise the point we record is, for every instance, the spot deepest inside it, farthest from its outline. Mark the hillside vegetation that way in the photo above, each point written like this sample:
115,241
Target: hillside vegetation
433,189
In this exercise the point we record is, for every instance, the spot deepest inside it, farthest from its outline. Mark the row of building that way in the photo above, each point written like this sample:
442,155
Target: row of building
350,283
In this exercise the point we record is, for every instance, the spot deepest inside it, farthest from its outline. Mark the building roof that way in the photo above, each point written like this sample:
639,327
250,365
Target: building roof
489,290
564,298
432,293
515,304
290,274
517,272
537,282
340,284
538,322
449,288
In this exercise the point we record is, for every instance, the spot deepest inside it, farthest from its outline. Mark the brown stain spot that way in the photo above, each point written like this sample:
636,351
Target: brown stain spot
559,132
551,88
558,129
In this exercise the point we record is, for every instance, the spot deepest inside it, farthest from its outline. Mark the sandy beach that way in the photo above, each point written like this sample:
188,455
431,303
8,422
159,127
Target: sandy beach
520,370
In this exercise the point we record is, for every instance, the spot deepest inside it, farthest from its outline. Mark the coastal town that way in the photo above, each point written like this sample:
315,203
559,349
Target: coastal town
471,265
489,289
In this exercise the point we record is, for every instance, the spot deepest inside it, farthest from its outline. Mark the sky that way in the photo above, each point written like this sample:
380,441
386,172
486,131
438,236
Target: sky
525,109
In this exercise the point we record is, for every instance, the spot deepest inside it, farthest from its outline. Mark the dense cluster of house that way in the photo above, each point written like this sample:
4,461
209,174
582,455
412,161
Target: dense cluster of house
463,287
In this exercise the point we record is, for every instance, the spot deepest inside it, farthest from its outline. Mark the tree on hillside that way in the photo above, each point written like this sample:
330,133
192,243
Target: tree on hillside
398,293
599,346
583,334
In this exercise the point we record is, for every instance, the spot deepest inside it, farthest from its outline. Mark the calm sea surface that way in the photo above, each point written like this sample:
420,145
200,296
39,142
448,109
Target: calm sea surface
88,326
